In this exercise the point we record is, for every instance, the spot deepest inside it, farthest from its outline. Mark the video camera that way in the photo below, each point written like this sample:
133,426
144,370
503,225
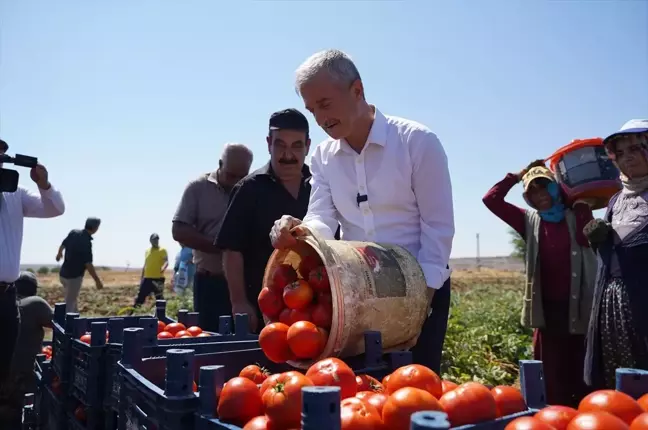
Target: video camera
9,178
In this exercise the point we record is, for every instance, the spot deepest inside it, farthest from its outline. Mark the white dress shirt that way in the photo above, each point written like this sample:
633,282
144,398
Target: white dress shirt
14,207
403,171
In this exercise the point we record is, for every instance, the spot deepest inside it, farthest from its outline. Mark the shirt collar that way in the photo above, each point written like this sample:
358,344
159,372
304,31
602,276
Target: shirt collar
213,178
267,170
377,134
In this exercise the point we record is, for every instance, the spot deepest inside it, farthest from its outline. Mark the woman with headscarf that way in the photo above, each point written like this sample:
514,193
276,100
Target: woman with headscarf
560,271
618,332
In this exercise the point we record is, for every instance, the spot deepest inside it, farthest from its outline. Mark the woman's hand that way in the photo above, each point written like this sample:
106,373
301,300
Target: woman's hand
597,231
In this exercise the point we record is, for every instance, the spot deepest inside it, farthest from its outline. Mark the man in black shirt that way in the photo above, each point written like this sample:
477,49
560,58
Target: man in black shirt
78,258
280,187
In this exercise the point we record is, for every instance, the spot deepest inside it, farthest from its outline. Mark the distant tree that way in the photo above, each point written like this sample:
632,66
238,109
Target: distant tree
105,268
31,270
519,245
43,270
55,270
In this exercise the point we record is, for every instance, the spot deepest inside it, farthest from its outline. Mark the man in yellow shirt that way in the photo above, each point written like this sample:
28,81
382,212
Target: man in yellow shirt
156,261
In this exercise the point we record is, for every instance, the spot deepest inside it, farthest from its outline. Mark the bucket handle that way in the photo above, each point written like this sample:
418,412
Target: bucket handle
304,232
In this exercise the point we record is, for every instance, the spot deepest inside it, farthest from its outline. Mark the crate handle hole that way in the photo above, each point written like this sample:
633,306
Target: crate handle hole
332,407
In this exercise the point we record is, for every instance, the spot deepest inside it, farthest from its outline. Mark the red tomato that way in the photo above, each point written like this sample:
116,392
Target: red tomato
448,386
194,330
239,401
85,338
469,403
322,315
334,372
643,402
377,400
556,416
258,423
282,400
305,340
195,387
298,295
308,263
385,380
528,423
283,275
640,423
508,400
401,404
324,297
368,383
270,303
204,334
324,335
254,373
318,279
597,421
270,381
284,317
80,414
173,328
164,335
183,333
299,315
614,402
417,376
273,340
161,326
358,415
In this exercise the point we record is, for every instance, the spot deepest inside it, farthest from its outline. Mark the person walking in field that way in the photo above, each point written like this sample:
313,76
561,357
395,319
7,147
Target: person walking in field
382,178
156,261
560,273
76,252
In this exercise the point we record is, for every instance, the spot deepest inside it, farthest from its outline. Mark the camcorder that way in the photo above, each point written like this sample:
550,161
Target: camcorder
9,178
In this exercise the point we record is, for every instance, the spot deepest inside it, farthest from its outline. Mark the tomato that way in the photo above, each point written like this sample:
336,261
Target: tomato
273,340
195,387
643,402
298,295
282,400
270,381
299,315
358,415
173,328
614,402
164,335
239,401
80,414
324,297
85,338
597,421
508,400
556,416
282,275
161,326
284,317
308,263
528,423
640,423
305,340
183,333
368,383
377,400
204,334
257,423
270,303
385,380
469,403
334,372
448,386
402,403
194,330
322,315
318,279
324,335
254,373
417,376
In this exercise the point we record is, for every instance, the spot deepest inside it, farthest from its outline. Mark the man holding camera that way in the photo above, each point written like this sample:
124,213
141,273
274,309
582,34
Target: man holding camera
14,207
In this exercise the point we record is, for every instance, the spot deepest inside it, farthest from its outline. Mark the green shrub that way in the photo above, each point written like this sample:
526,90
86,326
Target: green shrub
43,270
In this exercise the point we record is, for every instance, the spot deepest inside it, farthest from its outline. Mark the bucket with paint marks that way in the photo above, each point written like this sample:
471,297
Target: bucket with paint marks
374,286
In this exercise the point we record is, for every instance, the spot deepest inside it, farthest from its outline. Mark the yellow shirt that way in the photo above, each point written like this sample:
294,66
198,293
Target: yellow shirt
153,262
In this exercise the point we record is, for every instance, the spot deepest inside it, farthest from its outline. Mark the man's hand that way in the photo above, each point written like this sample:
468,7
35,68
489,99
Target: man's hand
59,256
244,307
281,235
99,284
40,176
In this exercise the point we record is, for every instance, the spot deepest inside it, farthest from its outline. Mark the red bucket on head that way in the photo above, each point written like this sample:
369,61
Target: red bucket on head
584,171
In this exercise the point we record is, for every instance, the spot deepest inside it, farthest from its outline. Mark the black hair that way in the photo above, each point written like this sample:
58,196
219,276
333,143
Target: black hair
92,223
4,146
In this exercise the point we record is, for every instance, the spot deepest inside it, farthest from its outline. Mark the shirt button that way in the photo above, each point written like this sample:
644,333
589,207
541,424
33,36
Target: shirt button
365,211
358,160
362,188
574,275
573,319
370,232
573,296
573,252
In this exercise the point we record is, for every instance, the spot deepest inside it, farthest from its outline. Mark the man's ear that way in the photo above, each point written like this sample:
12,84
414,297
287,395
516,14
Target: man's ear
269,140
308,143
220,164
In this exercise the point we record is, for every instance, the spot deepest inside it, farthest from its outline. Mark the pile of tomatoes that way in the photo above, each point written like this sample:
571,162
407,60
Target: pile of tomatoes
178,330
298,303
259,401
85,338
600,410
47,350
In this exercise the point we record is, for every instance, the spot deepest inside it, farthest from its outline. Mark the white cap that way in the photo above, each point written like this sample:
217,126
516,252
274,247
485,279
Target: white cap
631,127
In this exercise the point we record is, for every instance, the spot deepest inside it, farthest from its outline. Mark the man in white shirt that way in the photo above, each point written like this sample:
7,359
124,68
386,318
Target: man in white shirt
383,178
14,207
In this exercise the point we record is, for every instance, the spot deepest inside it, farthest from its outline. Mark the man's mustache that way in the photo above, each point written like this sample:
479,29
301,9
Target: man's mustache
286,161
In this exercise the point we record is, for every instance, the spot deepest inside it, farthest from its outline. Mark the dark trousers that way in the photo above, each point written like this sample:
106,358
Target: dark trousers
211,299
9,324
429,347
147,287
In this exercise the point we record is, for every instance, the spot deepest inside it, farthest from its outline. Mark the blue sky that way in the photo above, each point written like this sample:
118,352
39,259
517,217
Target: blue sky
125,101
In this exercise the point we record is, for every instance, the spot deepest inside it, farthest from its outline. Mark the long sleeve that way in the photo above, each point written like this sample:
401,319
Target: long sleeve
48,204
583,214
507,212
322,215
433,190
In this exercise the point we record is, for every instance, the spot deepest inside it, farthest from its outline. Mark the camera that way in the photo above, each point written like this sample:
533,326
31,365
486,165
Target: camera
9,178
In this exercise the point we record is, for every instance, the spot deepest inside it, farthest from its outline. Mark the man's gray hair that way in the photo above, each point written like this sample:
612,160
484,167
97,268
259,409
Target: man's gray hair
338,65
239,148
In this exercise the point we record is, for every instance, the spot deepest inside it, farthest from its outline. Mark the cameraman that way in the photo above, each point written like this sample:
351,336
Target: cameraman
14,207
